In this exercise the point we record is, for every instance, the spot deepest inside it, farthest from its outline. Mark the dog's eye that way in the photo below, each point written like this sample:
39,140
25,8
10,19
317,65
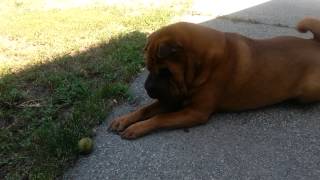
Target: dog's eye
164,72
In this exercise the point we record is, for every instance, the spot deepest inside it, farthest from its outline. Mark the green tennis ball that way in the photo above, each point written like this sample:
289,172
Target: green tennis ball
85,145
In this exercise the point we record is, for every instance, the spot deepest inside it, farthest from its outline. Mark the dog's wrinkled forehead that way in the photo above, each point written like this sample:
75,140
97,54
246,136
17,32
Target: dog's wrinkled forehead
160,47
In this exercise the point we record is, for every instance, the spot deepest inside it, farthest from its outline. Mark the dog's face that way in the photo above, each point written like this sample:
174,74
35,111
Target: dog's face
164,58
165,81
176,64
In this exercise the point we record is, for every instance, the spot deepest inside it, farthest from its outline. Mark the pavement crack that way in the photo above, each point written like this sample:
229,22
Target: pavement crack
252,21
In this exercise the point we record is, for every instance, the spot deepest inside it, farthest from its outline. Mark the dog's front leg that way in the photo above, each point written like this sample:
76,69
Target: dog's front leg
187,117
120,123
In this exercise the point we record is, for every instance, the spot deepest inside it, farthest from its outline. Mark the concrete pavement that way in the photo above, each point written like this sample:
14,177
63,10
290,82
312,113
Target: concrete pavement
278,142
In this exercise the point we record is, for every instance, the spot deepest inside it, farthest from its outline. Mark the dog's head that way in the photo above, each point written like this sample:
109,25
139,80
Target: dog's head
176,61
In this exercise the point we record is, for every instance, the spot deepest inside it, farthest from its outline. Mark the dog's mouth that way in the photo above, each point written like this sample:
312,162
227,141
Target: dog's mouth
161,89
164,95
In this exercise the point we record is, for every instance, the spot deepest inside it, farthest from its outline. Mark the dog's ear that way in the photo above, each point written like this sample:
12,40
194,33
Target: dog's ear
168,49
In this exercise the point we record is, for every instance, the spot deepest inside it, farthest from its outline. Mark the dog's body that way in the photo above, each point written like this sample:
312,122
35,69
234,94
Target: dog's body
196,71
270,71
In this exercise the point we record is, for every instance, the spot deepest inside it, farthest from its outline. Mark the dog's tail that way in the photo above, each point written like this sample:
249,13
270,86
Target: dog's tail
310,24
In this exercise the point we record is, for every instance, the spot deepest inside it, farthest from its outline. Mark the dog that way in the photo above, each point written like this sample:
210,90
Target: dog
195,71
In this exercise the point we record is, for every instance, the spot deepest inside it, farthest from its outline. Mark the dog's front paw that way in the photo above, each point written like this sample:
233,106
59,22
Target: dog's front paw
136,130
119,124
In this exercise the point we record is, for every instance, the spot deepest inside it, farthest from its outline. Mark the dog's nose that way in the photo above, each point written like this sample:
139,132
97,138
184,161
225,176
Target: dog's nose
152,93
151,90
150,87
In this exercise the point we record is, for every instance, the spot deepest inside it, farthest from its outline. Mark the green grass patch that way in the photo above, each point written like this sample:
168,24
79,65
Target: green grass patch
61,71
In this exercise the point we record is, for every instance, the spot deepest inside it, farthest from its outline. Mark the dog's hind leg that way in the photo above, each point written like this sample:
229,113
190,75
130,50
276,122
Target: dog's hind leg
310,89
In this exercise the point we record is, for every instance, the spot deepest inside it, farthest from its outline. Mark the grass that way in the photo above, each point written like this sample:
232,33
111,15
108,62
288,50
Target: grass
61,71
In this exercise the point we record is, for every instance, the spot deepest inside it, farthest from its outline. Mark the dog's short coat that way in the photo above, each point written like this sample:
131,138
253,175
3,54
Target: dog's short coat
196,71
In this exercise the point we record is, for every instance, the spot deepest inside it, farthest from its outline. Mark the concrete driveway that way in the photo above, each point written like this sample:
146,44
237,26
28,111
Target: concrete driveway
278,142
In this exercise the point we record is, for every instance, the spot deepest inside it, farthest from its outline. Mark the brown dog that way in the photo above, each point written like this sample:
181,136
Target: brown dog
196,71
